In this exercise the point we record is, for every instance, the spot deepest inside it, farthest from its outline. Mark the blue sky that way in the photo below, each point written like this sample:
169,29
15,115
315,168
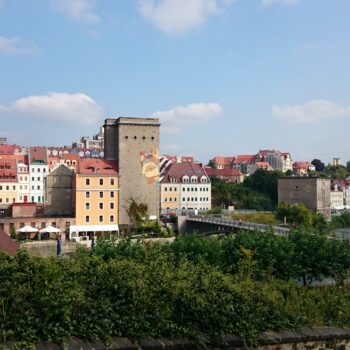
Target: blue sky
225,77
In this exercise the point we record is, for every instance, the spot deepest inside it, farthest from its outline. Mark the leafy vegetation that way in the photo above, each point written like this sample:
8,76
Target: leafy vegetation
259,191
194,287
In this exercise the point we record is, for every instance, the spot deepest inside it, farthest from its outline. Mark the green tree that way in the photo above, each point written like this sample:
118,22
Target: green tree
265,182
212,164
336,171
319,166
137,212
348,166
296,215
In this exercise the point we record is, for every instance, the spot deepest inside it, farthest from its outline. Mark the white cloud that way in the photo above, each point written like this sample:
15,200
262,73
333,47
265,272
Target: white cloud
283,2
174,120
69,108
312,111
179,16
80,10
15,46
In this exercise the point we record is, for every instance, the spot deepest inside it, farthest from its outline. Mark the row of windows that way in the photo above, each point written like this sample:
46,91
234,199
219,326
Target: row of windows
101,182
194,179
170,199
100,218
7,188
7,177
40,199
33,170
25,178
135,137
22,170
193,189
111,206
37,187
38,179
101,194
204,199
7,200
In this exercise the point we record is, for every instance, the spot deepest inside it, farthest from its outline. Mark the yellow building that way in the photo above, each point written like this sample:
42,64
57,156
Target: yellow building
170,196
96,188
8,182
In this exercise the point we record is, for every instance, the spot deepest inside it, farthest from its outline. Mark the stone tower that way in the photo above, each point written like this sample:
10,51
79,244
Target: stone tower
134,144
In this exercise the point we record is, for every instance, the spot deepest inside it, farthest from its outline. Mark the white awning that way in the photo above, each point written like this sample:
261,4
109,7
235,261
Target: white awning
27,229
93,228
50,229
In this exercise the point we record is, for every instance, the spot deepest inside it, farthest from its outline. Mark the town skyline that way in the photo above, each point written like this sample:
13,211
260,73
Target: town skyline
224,77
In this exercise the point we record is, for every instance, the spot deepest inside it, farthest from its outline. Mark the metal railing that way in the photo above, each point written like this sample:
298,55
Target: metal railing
226,221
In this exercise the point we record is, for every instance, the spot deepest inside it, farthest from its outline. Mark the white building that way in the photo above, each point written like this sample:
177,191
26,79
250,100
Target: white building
337,199
185,186
38,170
278,160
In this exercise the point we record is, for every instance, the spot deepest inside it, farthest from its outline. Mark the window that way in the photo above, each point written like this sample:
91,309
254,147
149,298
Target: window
33,170
20,187
111,218
170,199
38,170
0,200
166,199
87,218
165,189
101,205
100,218
175,189
20,198
38,187
175,199
32,187
87,182
38,178
101,182
112,182
33,179
101,194
87,194
183,199
0,188
20,178
87,206
14,188
112,194
33,198
7,188
53,224
44,170
7,200
111,205
170,189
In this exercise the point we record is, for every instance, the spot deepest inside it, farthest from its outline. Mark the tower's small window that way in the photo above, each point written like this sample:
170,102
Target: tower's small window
126,137
152,137
144,137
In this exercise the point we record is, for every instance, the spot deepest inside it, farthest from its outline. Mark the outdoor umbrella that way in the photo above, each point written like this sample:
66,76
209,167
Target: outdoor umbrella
27,229
49,229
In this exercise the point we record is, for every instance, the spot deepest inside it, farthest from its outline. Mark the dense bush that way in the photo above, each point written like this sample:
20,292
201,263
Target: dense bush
193,288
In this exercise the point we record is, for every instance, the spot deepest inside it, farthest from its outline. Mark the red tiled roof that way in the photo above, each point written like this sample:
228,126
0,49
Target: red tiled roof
38,154
9,149
301,165
7,244
178,170
91,166
245,158
224,161
8,170
263,165
223,172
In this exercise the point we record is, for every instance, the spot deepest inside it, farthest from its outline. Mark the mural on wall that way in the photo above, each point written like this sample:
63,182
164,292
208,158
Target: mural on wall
150,165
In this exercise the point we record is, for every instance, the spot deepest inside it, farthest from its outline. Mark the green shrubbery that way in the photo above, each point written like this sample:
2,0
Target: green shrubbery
193,288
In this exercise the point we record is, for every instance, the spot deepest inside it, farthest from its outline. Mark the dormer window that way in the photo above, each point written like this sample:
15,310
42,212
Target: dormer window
203,179
185,179
194,179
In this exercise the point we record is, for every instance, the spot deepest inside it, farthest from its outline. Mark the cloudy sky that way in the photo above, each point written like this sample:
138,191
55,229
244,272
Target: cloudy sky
225,77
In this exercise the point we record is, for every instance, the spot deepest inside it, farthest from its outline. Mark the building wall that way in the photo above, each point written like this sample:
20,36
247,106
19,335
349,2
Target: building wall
90,207
170,196
337,199
134,144
23,183
37,173
195,196
59,193
8,193
314,193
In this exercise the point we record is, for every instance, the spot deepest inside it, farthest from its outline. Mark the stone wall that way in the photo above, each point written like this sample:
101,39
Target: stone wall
317,338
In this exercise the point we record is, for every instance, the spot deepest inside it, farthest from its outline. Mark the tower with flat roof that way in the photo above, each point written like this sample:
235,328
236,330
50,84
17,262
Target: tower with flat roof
134,144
